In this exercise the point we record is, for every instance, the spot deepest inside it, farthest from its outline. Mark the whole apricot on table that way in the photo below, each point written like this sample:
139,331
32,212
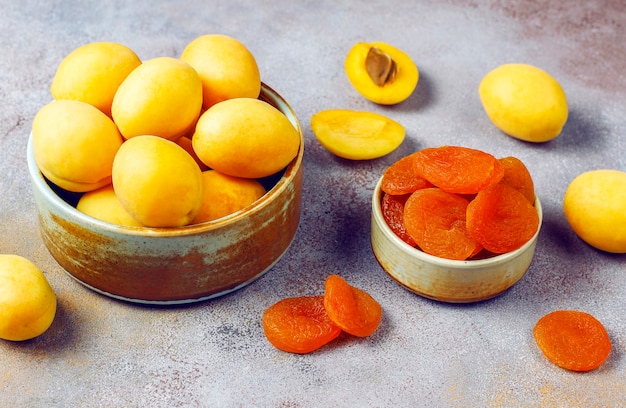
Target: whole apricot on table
595,208
357,135
381,72
74,144
161,97
245,137
224,195
226,67
92,73
524,102
157,182
104,205
27,302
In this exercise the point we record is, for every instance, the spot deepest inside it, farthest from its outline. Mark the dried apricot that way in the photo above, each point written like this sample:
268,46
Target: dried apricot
457,169
572,340
392,207
402,178
516,175
501,219
357,135
350,308
435,219
299,324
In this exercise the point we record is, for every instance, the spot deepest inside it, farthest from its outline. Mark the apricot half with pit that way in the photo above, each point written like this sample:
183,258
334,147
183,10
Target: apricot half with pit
381,72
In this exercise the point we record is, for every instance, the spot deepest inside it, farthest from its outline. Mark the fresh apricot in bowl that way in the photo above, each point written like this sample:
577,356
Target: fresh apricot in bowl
226,67
74,145
381,72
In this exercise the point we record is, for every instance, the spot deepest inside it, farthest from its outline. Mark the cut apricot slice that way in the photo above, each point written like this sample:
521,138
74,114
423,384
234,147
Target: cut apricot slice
501,219
299,324
357,135
572,340
351,308
392,207
402,177
516,175
435,219
458,169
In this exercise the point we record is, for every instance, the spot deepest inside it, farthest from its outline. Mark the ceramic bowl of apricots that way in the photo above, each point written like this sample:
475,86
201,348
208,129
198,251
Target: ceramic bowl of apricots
169,180
455,224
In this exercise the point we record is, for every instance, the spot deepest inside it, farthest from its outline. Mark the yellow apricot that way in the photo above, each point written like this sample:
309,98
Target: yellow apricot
93,72
74,145
185,143
157,181
224,195
104,205
524,102
161,97
357,135
27,302
595,207
381,72
245,137
226,67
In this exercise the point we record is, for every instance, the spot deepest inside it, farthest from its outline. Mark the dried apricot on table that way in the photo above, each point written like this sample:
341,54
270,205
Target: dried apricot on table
299,324
572,340
402,177
392,208
516,175
435,219
501,219
357,135
381,72
351,308
458,169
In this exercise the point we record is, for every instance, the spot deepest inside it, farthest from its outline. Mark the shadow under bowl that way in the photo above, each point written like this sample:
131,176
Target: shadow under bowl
442,279
173,265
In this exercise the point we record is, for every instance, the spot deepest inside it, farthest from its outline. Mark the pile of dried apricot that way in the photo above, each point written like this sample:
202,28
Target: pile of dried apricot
459,203
304,324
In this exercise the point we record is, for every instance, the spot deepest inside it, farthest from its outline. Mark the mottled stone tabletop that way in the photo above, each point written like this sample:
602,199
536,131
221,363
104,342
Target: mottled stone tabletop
101,352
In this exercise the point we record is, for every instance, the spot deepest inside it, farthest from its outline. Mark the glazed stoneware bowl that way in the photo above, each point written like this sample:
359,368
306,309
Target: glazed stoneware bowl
173,265
443,279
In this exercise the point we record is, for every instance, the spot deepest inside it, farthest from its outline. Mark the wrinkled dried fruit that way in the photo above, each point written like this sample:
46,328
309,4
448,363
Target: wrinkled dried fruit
357,135
457,169
435,219
350,308
299,325
501,219
572,340
392,207
516,175
402,178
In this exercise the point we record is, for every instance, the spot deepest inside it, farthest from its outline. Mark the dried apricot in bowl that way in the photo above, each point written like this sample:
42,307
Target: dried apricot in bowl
357,135
381,72
299,325
572,340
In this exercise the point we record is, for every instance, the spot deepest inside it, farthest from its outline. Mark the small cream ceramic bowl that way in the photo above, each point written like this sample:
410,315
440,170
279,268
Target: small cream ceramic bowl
444,279
173,265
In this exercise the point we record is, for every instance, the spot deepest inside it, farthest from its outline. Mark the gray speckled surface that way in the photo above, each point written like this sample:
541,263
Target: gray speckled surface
102,352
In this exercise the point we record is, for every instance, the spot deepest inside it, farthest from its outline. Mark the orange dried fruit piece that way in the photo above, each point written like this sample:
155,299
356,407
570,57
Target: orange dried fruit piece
351,308
516,175
402,177
357,135
299,324
572,339
458,169
501,219
392,208
435,219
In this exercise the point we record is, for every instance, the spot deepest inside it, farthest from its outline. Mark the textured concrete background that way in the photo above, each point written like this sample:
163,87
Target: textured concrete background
102,352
